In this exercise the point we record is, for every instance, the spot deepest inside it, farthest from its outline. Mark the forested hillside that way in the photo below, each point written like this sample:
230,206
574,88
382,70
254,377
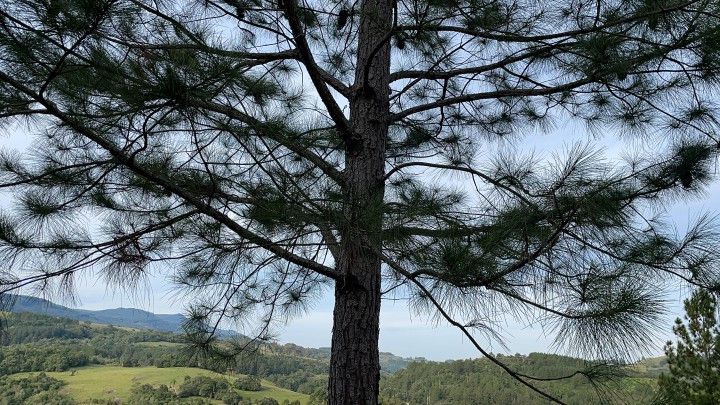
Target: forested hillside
139,319
33,342
479,381
62,347
40,343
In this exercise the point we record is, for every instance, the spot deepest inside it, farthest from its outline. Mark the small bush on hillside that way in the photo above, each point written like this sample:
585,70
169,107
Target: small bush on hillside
248,383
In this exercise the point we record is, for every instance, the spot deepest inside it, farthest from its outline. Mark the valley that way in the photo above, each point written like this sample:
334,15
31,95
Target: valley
72,361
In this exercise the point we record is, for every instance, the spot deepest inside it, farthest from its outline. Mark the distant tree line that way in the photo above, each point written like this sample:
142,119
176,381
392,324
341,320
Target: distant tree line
56,356
478,381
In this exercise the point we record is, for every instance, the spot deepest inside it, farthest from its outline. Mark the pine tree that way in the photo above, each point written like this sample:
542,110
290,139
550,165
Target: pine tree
694,376
259,151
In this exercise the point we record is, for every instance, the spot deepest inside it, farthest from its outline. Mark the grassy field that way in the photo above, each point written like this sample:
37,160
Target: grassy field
110,382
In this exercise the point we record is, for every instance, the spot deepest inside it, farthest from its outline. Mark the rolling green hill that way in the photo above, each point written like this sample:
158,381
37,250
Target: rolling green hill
105,362
114,383
139,319
85,361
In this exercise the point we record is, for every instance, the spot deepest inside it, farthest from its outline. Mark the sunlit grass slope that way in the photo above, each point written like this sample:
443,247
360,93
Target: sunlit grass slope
110,382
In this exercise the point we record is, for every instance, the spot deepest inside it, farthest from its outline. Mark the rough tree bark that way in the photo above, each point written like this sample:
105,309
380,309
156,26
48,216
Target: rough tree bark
355,363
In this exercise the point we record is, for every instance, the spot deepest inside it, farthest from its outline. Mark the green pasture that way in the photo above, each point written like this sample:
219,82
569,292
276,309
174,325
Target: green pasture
111,382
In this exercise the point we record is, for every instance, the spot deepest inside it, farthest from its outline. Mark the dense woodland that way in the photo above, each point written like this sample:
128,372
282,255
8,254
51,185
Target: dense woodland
38,389
481,382
39,343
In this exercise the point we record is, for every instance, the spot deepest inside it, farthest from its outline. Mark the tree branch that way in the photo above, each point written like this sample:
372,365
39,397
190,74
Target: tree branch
317,77
427,294
490,95
168,185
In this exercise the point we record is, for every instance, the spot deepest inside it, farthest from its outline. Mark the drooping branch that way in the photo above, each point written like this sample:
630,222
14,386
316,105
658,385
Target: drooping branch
167,184
441,310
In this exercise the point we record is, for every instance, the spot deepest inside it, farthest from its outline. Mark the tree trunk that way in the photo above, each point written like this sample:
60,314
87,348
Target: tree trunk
355,362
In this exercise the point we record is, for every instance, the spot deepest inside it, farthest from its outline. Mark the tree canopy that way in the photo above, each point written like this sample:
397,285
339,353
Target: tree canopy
257,151
694,361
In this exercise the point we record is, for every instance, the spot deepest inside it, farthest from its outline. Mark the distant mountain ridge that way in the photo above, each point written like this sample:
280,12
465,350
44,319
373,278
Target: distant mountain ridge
128,317
139,319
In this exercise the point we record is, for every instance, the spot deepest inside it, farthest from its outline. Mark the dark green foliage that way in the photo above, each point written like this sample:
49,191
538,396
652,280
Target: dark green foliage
342,18
147,394
217,388
26,327
42,357
686,167
248,383
203,387
480,382
36,389
231,397
694,361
